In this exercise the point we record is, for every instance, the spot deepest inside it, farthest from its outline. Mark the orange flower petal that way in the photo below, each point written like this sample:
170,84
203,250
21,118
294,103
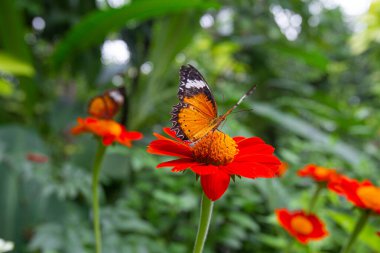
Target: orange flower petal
318,173
108,130
370,196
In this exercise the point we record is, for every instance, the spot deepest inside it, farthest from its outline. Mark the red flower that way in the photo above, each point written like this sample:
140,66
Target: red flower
217,157
362,194
302,226
318,173
335,184
108,130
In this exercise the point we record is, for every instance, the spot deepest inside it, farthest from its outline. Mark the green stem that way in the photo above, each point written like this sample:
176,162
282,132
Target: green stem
204,223
289,245
358,228
316,194
95,197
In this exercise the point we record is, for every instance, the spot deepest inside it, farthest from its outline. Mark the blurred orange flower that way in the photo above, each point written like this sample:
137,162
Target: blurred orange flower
108,130
216,158
302,226
318,173
283,168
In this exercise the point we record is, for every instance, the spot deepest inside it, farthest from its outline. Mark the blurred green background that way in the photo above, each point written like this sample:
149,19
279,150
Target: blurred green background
317,71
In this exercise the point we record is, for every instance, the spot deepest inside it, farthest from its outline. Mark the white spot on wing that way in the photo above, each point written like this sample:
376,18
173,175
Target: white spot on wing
195,84
115,95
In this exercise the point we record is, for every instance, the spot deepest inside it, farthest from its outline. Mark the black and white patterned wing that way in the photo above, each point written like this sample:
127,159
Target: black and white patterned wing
196,105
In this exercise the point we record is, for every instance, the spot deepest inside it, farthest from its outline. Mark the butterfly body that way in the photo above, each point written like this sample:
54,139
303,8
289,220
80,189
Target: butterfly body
107,105
196,113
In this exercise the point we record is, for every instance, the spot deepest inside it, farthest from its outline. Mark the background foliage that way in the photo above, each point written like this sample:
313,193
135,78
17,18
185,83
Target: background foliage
317,102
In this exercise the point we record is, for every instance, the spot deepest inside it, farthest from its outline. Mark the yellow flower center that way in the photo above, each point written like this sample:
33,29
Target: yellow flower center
301,225
215,148
321,172
370,196
113,127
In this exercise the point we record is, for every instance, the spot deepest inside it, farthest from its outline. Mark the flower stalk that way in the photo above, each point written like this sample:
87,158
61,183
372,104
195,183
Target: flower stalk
358,228
204,223
95,196
315,196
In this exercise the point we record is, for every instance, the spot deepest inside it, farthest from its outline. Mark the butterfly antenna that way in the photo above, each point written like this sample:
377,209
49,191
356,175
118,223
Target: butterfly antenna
249,92
245,110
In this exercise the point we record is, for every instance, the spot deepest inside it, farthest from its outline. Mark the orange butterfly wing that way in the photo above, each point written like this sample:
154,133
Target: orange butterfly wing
196,113
107,105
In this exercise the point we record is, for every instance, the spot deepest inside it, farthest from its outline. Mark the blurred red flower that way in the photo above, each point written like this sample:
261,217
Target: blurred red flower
318,173
302,226
335,184
362,194
217,157
108,130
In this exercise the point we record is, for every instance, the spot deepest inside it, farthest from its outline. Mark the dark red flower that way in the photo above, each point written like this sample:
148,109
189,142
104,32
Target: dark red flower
108,130
318,173
302,226
217,157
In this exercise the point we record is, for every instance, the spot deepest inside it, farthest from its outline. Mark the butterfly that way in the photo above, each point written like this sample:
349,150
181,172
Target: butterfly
196,113
107,105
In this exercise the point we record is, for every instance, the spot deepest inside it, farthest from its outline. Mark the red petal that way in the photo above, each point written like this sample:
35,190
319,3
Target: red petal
172,134
260,148
283,217
133,135
187,162
238,138
204,169
160,137
257,158
215,185
252,170
318,228
248,142
171,148
108,139
266,166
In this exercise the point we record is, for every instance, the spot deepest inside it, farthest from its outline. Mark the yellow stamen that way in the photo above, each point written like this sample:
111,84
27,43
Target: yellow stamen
301,225
370,196
215,148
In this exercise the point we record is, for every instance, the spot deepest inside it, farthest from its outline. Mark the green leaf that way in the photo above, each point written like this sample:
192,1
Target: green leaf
6,88
309,55
95,26
11,65
308,131
176,31
347,222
